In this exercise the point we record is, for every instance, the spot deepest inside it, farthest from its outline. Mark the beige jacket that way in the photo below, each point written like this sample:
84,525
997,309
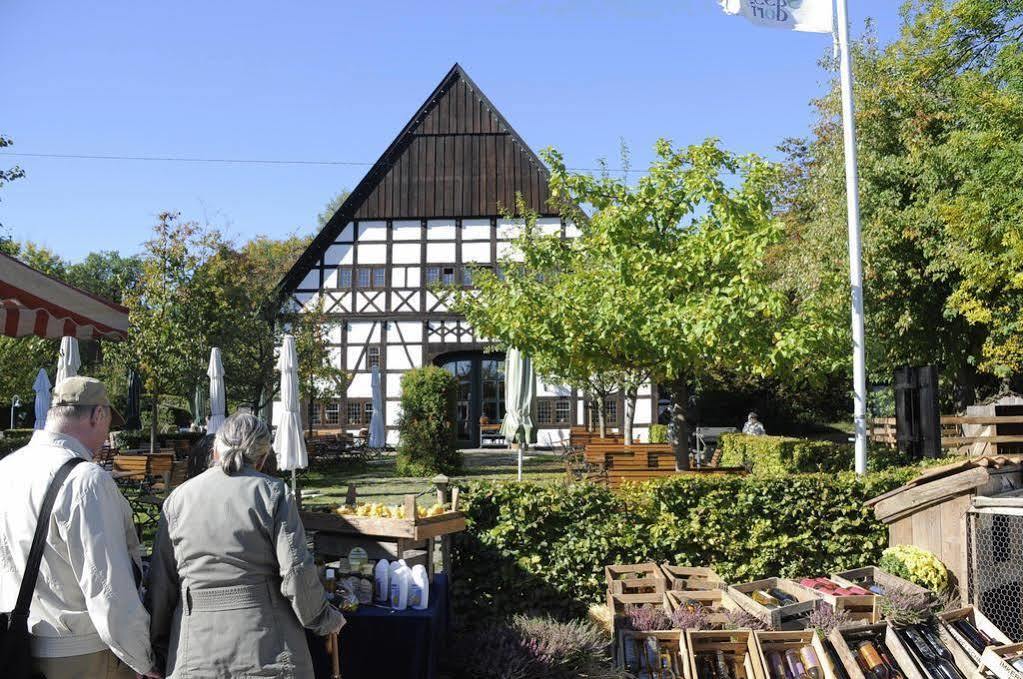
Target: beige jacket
232,582
85,599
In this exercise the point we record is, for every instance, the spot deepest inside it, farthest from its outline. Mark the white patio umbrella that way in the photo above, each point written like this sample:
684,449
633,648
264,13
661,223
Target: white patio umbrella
42,388
377,431
218,400
69,361
519,390
288,441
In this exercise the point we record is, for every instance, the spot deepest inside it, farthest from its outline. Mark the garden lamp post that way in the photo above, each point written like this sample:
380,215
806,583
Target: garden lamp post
15,403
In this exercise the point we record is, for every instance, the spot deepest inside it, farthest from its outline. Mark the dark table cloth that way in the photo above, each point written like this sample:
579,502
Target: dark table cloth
379,643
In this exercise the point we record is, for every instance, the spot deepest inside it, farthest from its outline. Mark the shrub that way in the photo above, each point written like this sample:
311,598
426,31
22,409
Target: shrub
917,565
543,547
14,439
533,648
426,429
658,433
782,454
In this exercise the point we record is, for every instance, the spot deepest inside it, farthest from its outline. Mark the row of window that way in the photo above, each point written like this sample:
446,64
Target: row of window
375,277
357,413
551,411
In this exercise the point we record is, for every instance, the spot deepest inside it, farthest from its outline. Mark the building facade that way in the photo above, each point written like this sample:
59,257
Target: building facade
428,212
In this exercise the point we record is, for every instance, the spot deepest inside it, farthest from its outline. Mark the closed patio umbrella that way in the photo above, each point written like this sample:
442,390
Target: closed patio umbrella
377,431
288,441
197,404
519,390
42,388
69,361
218,400
133,409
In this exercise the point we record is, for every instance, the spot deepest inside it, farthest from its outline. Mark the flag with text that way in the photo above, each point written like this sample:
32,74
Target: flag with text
812,16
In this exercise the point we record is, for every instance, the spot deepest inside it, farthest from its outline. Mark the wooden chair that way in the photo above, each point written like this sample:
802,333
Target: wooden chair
489,432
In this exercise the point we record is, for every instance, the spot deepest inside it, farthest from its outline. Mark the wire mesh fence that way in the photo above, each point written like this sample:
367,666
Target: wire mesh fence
995,566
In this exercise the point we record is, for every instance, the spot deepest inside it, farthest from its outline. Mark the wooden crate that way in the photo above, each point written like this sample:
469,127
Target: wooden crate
978,620
783,617
640,578
412,527
869,575
617,603
860,607
783,641
633,652
994,662
739,643
841,637
687,578
710,598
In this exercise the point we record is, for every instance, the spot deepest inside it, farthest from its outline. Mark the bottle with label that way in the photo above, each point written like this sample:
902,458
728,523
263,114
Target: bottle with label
776,665
765,599
399,585
811,663
794,663
330,582
876,667
419,588
382,582
784,598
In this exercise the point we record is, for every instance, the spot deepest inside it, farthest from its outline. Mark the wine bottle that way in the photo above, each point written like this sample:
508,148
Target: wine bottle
931,636
976,638
776,665
889,661
932,664
795,664
784,598
876,667
704,668
876,589
765,599
811,663
722,667
836,662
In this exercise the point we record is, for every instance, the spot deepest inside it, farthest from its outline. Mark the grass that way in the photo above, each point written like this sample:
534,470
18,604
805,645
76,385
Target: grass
326,484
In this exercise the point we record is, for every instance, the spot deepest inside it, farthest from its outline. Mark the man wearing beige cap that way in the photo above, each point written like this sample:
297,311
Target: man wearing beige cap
86,619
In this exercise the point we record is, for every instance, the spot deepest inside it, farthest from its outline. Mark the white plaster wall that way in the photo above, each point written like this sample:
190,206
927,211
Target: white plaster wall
361,332
361,386
406,230
406,253
372,253
440,253
376,230
413,276
475,229
571,230
549,226
347,233
339,253
509,228
642,411
476,252
393,409
507,250
397,359
393,381
311,280
411,331
397,277
440,229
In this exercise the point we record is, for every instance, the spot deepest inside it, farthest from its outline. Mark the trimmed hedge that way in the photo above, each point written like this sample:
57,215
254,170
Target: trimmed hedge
13,439
542,547
783,455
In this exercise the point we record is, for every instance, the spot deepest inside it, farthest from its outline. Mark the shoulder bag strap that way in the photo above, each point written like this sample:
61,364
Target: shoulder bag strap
35,554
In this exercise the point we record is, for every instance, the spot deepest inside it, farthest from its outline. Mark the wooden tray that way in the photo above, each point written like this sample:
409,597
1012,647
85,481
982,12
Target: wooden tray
689,578
711,598
783,616
979,621
410,528
860,607
740,642
782,641
839,640
640,578
617,603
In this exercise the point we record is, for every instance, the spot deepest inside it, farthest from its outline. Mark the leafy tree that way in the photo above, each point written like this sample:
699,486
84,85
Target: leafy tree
106,273
332,206
939,115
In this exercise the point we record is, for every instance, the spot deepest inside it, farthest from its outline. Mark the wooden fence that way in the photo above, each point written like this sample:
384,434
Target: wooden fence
977,434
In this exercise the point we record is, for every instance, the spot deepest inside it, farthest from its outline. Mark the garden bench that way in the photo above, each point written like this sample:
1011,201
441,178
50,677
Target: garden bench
490,432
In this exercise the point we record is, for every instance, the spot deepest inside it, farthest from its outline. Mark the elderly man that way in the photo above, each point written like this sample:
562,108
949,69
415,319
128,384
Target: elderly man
753,426
86,619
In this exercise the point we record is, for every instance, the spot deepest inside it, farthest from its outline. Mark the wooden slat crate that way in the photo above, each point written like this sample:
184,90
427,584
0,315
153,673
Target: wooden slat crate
617,603
794,639
1004,662
717,601
686,578
412,527
739,644
640,578
860,607
844,642
978,620
634,652
789,616
870,575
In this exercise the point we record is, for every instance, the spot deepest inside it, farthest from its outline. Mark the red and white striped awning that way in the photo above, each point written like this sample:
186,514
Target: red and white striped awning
32,303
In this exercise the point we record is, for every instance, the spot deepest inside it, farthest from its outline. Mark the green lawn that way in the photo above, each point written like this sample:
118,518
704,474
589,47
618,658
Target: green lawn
325,484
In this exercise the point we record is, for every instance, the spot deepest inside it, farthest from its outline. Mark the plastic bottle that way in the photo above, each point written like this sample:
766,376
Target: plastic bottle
419,588
382,582
399,585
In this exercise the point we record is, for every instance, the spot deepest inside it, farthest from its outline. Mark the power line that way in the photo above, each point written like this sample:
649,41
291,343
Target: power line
244,161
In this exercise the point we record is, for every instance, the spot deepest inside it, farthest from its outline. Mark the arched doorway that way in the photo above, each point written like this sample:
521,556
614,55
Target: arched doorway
480,391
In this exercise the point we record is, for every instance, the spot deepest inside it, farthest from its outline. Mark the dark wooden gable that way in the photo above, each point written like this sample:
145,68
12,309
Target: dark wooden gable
456,157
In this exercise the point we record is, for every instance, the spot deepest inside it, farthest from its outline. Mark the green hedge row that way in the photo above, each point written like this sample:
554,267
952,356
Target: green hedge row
535,547
781,454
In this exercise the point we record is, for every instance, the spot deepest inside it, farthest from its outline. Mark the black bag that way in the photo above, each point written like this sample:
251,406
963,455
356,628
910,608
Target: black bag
15,656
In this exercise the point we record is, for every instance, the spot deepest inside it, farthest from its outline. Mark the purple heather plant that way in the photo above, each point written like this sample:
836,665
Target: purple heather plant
826,618
902,606
689,617
740,619
646,618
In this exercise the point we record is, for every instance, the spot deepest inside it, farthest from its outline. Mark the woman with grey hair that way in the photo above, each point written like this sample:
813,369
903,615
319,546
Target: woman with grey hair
232,582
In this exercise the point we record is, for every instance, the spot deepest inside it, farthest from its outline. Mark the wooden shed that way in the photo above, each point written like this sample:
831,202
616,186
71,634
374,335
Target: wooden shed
930,511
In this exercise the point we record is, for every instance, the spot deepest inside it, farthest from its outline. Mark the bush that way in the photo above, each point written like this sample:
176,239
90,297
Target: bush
783,455
917,565
14,439
543,547
426,443
658,433
534,648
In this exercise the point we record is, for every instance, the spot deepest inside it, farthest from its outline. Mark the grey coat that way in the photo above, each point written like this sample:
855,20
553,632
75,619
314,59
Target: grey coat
232,582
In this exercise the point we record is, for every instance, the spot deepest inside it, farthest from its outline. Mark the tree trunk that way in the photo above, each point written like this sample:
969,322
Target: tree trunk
588,409
680,425
966,393
631,394
600,420
153,424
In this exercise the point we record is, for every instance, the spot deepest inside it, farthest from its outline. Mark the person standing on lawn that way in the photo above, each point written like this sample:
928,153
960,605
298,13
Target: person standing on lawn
232,582
86,619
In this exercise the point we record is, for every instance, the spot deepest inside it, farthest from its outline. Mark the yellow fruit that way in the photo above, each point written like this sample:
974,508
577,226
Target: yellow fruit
344,510
436,510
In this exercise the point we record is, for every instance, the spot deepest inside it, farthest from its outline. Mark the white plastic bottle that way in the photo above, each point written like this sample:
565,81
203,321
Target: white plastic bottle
399,585
382,582
419,588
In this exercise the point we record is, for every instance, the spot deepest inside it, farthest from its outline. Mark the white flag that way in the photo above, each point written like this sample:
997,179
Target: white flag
812,16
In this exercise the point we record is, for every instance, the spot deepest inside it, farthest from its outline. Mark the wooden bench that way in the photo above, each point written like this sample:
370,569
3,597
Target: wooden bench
490,432
615,464
580,437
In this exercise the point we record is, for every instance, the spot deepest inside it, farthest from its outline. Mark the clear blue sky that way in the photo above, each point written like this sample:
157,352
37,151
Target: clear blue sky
337,80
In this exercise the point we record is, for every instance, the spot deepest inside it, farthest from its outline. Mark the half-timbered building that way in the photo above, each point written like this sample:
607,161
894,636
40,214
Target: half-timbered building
428,211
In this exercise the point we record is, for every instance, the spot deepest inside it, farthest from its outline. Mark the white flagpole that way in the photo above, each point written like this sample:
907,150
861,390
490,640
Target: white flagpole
852,197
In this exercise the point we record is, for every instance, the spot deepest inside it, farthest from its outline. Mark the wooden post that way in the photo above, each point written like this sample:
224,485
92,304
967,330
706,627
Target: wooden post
441,482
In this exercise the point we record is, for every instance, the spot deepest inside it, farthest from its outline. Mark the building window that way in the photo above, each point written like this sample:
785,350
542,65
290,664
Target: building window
372,357
544,412
562,412
354,412
380,278
432,275
448,275
332,413
315,415
611,409
344,277
553,411
368,410
365,277
467,276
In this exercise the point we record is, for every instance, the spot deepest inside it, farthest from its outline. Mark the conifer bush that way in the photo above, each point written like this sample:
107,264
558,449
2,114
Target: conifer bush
426,428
